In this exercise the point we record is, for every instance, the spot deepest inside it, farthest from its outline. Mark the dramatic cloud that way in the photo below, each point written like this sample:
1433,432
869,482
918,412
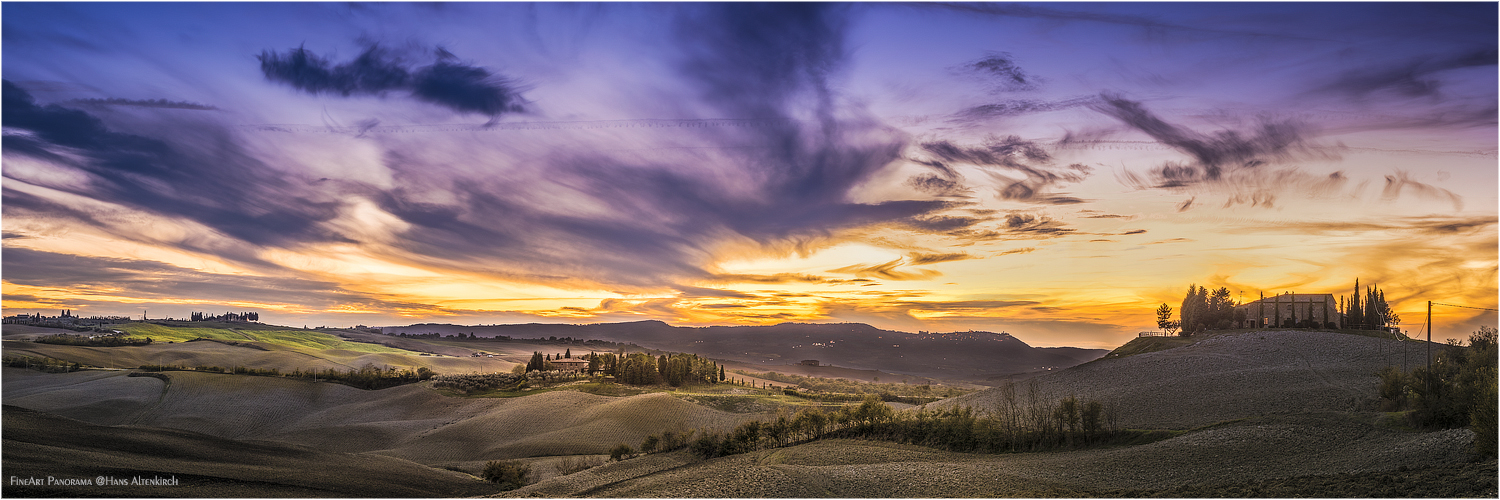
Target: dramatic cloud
1213,156
446,82
660,217
707,163
202,174
1001,156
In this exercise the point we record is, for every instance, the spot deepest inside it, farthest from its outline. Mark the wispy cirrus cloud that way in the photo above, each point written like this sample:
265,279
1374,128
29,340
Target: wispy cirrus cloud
888,271
1001,157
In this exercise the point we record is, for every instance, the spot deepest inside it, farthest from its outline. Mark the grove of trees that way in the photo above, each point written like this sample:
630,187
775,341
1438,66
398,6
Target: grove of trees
1204,310
1370,312
675,369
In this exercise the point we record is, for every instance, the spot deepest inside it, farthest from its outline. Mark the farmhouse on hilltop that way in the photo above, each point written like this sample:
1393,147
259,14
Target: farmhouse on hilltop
1316,310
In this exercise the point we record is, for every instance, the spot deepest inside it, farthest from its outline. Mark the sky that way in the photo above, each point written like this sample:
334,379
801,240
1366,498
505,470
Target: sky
1052,170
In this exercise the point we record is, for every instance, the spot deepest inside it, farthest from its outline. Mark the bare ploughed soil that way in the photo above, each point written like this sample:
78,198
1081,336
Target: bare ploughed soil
1224,377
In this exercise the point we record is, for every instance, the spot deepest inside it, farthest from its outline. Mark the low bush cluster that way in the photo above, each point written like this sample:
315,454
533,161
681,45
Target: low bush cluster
570,465
509,474
842,390
97,341
369,377
1459,390
45,364
1019,424
475,382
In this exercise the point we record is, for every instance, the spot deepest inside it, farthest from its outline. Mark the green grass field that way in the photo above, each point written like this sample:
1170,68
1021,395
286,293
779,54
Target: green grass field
293,339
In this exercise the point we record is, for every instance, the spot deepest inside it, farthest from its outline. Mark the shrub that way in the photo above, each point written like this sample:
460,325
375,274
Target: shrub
569,465
1483,418
1392,389
649,444
509,474
707,445
45,364
675,440
620,452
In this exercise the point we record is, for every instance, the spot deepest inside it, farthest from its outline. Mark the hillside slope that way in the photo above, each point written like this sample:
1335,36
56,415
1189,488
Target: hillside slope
1226,377
411,421
1334,448
41,445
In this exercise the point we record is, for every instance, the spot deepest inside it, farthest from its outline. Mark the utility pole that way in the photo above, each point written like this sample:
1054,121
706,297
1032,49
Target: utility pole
1429,341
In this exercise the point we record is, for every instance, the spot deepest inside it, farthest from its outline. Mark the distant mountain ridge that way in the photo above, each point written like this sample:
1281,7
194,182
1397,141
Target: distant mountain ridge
971,355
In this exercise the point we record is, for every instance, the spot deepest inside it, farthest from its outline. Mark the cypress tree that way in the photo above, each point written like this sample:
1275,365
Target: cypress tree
1356,311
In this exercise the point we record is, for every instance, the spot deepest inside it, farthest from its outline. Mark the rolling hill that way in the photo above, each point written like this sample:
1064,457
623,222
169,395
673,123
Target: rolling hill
1262,413
957,355
39,445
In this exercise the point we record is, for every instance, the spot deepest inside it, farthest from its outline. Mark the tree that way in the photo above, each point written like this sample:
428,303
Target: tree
1164,318
1220,309
1356,312
1194,310
568,353
536,362
721,374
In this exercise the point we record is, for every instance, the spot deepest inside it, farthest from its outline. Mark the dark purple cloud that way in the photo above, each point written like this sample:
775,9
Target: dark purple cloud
999,70
144,103
1212,156
446,82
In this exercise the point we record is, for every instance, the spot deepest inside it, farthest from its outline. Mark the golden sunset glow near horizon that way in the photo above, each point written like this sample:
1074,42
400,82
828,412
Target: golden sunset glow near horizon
1055,171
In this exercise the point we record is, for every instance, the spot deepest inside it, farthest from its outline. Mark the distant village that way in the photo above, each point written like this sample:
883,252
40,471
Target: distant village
67,319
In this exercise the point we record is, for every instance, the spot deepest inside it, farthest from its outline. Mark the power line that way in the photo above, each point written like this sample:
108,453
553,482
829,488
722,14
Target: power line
1465,307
